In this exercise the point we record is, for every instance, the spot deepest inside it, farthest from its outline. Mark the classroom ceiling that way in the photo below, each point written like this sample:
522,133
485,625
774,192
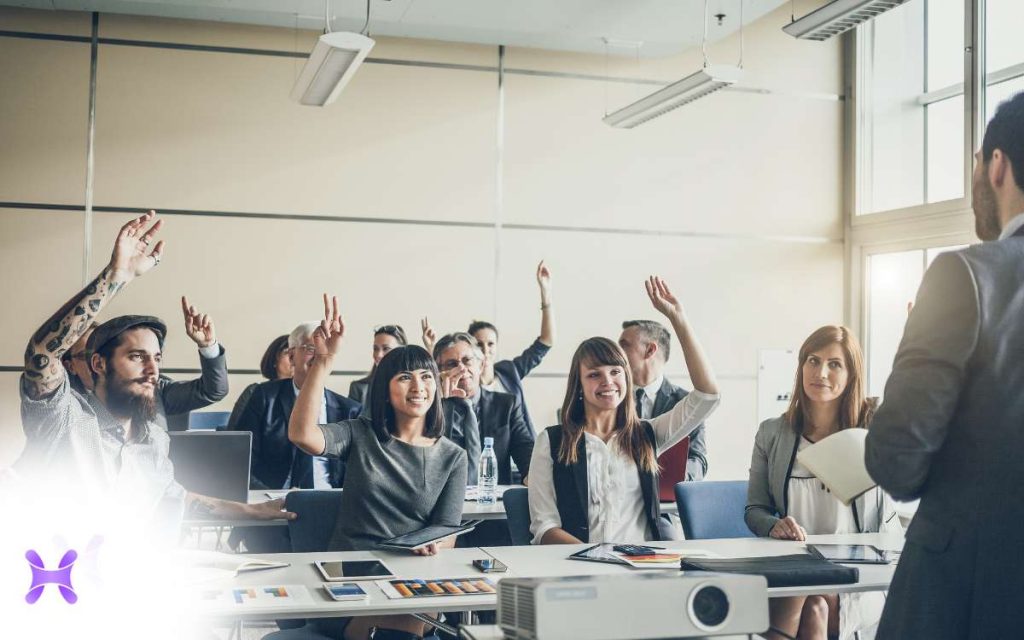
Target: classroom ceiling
644,28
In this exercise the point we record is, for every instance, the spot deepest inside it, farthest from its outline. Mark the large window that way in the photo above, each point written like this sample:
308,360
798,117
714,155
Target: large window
1004,52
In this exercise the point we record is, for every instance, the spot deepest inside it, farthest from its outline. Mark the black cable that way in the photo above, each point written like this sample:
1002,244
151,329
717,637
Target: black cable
778,631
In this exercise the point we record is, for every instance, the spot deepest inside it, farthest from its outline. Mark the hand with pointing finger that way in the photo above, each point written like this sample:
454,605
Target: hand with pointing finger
429,335
198,326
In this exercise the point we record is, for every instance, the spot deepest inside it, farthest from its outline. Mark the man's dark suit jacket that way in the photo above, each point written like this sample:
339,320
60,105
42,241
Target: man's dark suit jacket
697,459
511,373
266,415
500,416
951,432
176,399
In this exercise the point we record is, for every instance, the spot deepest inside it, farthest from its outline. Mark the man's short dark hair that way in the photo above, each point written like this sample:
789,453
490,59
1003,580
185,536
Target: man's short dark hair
477,325
268,364
1006,132
410,358
652,331
451,338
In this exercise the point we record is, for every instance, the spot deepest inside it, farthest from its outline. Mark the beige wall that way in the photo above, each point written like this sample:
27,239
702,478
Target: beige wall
715,187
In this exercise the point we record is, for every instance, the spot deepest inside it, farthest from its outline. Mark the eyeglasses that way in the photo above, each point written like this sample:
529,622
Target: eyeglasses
307,348
466,361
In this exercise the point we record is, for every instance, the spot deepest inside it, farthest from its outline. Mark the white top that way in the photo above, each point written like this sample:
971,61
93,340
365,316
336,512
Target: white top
616,507
1012,226
646,408
813,506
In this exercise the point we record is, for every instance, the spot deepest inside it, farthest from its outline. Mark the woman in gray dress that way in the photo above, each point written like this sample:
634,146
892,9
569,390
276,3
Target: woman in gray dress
401,474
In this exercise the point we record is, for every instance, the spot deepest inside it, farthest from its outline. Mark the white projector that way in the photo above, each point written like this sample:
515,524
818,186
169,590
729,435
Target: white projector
628,607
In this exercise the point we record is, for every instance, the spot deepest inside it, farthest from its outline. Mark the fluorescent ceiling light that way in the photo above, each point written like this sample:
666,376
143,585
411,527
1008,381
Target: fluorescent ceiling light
332,64
707,80
836,17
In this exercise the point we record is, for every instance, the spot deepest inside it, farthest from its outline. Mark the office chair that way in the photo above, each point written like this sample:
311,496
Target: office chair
208,420
713,509
517,510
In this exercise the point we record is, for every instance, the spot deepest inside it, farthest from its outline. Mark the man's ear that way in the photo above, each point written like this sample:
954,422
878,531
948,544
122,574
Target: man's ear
651,350
999,169
97,365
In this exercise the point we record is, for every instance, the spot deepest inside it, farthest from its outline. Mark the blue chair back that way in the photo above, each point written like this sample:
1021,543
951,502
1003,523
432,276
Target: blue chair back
317,513
713,509
517,510
208,420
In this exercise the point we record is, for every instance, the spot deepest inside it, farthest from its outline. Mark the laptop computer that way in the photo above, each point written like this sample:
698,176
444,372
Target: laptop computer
673,469
213,463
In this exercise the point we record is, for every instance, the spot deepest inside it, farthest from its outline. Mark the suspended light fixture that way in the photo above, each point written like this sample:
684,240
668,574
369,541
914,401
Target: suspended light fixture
704,82
836,17
333,62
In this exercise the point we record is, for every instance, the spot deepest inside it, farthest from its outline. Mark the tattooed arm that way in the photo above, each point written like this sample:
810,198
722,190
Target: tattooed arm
129,259
198,507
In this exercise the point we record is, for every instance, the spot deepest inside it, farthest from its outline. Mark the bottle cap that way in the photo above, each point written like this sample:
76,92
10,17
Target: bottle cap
488,442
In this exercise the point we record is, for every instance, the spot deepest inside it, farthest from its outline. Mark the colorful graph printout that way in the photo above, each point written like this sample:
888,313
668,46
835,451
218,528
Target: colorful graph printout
261,596
413,588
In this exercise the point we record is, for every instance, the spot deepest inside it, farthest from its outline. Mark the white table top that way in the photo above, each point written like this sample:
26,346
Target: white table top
471,510
527,561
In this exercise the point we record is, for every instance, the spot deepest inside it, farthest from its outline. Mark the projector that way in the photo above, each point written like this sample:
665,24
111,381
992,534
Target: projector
628,607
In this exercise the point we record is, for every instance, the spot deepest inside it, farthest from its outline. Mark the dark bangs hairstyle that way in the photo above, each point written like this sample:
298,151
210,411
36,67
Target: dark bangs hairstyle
399,359
268,364
596,352
854,409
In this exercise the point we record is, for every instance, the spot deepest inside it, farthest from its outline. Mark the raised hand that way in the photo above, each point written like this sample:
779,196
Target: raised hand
450,383
544,279
327,337
199,327
662,298
131,256
429,336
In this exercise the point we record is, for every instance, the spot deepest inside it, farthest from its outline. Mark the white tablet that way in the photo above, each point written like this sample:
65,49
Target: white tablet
343,570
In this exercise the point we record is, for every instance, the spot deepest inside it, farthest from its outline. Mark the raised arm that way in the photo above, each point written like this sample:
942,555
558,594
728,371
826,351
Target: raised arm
429,335
701,374
212,385
547,314
302,427
130,258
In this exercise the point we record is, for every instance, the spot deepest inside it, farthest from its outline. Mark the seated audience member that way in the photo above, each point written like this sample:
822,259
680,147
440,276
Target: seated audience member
106,445
385,338
402,476
499,415
506,376
593,478
276,364
276,462
786,501
175,399
646,344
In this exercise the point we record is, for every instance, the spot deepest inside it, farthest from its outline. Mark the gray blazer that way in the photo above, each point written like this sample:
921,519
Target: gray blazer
697,458
951,432
771,464
176,399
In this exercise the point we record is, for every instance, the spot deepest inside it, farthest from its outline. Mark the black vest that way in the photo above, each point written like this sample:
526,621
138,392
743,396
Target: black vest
572,491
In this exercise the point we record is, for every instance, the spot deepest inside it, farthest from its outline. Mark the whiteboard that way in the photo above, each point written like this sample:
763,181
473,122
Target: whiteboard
776,373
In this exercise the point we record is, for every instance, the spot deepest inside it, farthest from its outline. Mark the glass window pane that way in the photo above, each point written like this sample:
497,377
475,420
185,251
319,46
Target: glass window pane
945,149
931,254
894,280
1004,45
945,36
999,92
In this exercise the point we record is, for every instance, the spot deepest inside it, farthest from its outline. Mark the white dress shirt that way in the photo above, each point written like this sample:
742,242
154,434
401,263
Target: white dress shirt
615,512
646,408
1012,226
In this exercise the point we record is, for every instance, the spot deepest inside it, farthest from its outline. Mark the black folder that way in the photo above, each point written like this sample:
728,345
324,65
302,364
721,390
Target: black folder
798,570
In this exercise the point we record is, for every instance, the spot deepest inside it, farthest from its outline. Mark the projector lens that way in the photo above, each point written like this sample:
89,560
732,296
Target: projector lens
710,606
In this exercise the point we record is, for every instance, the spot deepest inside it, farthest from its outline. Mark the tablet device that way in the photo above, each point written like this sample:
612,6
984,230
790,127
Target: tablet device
423,537
353,570
849,553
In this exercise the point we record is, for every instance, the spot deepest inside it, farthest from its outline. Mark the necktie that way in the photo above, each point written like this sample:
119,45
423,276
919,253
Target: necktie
640,401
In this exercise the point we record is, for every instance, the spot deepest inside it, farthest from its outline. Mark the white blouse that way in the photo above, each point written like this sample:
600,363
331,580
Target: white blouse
615,512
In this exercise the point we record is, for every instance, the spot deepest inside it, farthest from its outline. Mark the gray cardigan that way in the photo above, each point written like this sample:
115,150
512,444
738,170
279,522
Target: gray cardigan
775,447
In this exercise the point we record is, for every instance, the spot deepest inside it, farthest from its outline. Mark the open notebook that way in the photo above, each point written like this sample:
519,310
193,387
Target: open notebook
838,461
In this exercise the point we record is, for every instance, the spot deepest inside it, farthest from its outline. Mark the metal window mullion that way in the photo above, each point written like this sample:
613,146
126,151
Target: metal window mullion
974,78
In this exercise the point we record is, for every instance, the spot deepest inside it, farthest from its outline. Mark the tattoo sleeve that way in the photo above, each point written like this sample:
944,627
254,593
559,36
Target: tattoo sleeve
199,506
62,330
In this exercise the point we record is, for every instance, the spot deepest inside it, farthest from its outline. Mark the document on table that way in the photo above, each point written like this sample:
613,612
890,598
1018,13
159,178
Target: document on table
259,597
401,589
838,461
205,566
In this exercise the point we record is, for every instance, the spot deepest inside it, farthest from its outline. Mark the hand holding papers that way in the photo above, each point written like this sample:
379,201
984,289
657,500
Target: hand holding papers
838,461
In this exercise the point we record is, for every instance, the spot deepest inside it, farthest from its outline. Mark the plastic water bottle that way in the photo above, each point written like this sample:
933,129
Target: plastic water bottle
487,474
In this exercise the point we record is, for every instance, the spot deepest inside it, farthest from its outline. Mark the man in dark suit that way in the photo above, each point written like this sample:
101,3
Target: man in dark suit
646,344
499,415
951,429
276,462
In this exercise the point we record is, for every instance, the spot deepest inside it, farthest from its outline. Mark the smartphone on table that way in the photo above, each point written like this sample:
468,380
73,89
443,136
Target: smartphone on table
490,565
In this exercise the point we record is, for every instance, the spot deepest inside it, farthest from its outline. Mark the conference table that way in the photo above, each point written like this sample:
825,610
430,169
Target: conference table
523,561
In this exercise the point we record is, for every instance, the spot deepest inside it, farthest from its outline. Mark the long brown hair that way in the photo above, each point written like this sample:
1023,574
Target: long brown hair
596,352
854,409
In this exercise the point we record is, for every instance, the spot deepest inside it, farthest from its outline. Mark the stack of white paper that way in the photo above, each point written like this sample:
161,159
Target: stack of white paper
838,461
